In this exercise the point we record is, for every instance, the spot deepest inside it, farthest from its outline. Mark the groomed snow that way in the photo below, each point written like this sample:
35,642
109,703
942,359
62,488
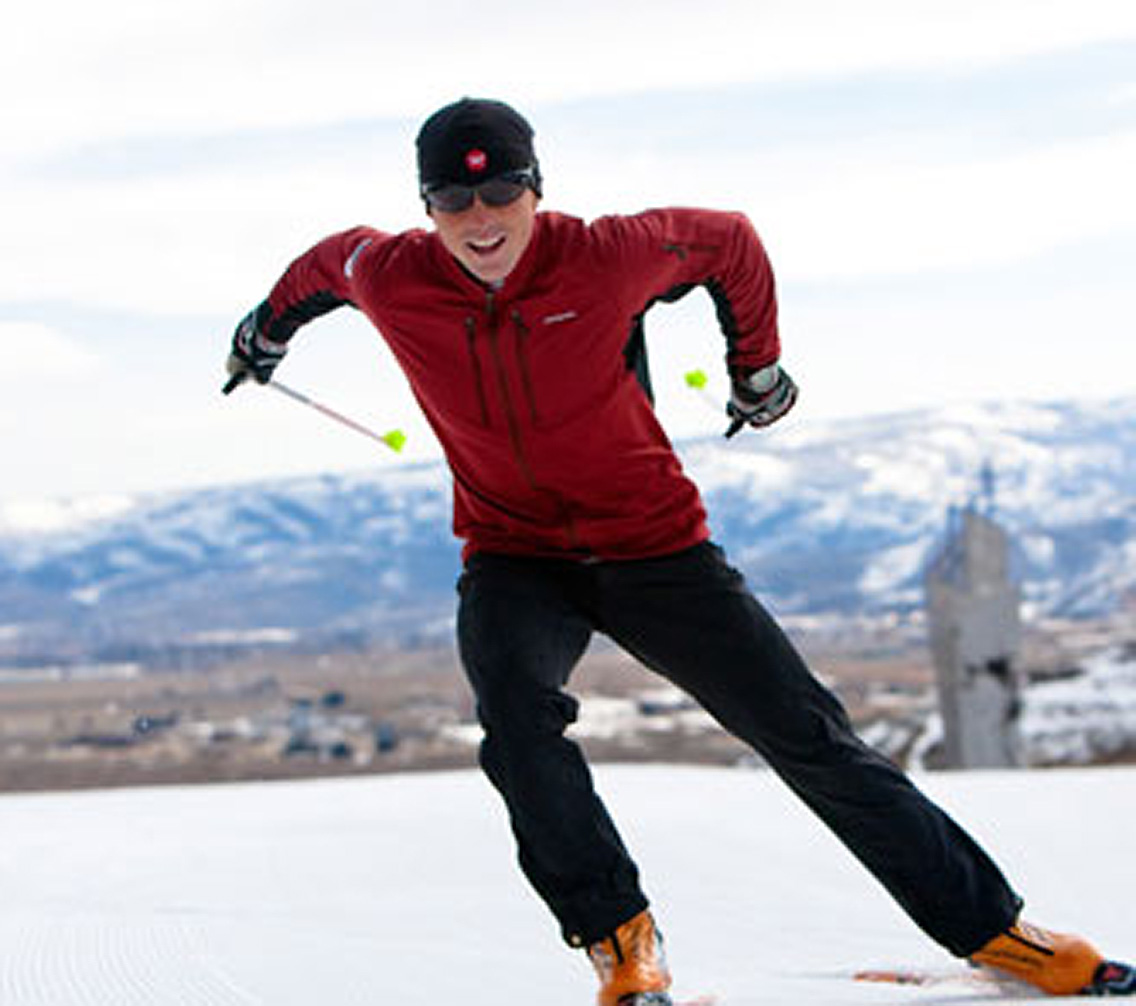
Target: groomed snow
401,890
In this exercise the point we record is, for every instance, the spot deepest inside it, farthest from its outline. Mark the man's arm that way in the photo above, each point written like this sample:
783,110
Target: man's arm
669,252
317,282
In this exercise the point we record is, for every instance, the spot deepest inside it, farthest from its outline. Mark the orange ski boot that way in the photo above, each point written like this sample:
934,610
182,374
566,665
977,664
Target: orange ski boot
631,965
1056,963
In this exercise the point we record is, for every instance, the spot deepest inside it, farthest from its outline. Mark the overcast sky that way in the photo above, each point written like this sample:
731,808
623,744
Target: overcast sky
945,188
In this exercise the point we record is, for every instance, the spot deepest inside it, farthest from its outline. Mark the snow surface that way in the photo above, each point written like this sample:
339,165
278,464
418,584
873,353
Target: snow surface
401,890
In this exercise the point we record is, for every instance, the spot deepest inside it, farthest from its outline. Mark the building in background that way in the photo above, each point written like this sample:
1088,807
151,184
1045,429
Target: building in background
974,628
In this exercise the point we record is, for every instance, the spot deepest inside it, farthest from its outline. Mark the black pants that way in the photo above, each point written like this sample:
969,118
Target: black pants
524,623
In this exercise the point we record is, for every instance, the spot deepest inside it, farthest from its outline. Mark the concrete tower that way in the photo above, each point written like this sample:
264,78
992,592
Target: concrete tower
974,624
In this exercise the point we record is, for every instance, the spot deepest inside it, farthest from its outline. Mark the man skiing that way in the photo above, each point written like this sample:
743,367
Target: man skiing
520,332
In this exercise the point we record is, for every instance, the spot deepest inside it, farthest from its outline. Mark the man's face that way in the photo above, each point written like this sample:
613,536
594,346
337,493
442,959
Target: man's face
488,240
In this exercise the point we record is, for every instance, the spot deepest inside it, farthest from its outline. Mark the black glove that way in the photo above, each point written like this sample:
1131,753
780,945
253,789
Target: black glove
253,354
760,398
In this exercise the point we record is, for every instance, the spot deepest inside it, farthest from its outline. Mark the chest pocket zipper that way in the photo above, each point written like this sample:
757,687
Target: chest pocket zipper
475,368
524,335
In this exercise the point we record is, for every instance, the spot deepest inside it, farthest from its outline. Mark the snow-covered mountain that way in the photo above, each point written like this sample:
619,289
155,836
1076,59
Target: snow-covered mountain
825,518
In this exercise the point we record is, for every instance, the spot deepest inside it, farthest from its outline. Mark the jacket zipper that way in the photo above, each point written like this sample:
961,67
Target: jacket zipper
511,418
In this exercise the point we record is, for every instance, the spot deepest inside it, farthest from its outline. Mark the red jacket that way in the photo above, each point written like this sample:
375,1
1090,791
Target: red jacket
531,389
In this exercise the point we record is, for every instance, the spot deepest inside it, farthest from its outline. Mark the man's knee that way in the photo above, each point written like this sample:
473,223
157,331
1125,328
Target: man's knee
511,711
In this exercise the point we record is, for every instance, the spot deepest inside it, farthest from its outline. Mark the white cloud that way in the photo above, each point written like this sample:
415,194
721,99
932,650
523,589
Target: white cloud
211,241
31,352
200,238
1125,95
193,242
128,67
888,205
874,352
891,217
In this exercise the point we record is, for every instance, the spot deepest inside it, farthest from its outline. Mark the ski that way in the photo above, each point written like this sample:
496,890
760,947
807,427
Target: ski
1112,978
916,976
663,999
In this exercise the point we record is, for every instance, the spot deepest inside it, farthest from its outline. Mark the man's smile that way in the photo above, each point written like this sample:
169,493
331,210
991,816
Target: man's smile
486,245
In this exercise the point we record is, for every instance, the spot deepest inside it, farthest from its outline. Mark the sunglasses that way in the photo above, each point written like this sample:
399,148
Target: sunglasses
500,190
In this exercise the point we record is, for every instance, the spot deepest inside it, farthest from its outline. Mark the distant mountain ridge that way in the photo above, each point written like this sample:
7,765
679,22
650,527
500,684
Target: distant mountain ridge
825,518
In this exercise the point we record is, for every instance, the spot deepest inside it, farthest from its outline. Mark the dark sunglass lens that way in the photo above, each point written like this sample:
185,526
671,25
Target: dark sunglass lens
450,198
501,191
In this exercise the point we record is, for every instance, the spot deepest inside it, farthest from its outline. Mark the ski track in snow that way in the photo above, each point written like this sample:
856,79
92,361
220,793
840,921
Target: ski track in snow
91,960
401,890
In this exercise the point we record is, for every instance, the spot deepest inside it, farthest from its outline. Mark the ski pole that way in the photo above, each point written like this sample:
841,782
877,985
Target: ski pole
697,381
395,439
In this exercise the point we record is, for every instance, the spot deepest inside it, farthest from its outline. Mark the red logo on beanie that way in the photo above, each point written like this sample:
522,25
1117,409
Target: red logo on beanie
476,160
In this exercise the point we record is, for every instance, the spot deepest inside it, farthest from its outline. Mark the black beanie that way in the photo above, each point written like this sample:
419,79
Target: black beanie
472,140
